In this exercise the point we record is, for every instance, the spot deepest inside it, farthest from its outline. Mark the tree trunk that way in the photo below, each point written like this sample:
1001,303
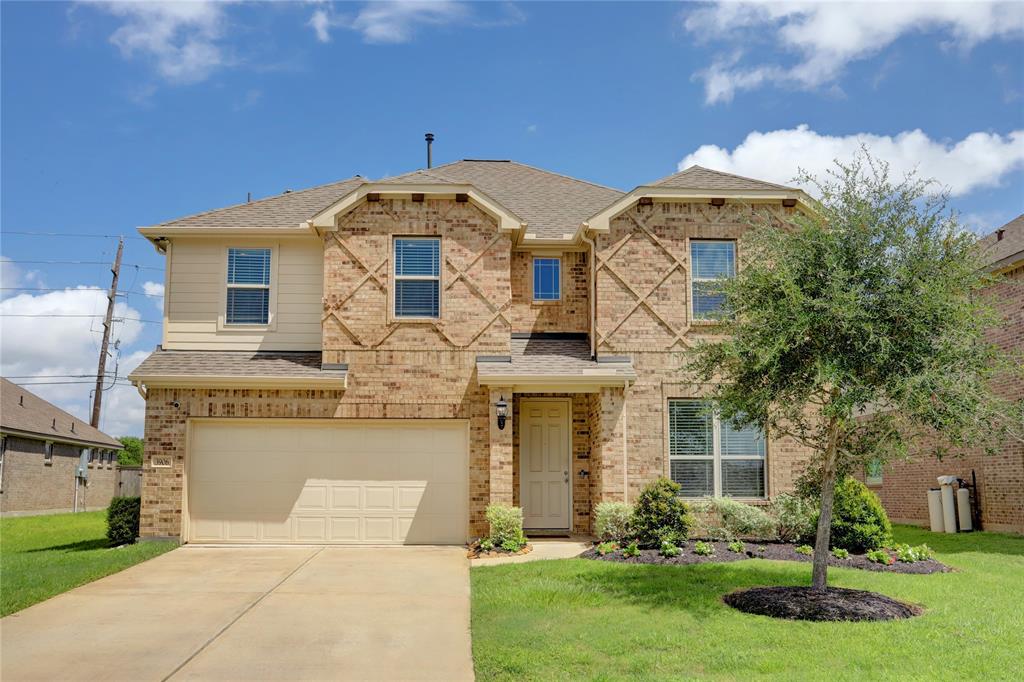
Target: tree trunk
819,572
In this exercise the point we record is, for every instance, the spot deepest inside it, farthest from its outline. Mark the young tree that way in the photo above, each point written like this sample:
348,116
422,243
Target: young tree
856,329
132,453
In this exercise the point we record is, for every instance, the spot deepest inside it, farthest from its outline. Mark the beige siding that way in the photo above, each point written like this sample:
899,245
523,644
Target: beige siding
196,296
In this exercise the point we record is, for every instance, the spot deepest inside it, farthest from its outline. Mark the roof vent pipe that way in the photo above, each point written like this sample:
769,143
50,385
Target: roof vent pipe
429,137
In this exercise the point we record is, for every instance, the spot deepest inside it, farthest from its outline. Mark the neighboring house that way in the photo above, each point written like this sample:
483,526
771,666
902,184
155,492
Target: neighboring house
41,453
377,361
903,485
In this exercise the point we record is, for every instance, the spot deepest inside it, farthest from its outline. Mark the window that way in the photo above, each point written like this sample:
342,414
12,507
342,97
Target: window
711,261
248,286
712,458
873,472
547,279
48,452
418,277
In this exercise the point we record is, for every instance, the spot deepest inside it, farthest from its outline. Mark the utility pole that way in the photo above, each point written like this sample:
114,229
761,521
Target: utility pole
108,322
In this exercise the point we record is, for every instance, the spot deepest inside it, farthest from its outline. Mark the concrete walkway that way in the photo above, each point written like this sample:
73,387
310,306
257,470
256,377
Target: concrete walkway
247,613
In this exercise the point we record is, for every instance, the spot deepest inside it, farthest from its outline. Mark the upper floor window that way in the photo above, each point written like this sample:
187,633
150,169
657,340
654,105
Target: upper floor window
711,261
248,300
418,277
709,457
547,279
48,452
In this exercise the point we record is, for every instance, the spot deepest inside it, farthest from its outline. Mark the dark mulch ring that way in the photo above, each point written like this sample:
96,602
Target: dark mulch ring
771,550
833,604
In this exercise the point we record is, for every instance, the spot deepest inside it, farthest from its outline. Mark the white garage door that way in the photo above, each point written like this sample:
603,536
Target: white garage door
345,482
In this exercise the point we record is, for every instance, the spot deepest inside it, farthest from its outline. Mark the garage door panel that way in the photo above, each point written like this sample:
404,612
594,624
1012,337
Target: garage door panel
342,482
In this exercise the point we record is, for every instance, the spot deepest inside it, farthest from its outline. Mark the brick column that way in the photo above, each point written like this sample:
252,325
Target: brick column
500,449
608,464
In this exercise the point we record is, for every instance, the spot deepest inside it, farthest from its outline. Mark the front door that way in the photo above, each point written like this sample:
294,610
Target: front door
544,459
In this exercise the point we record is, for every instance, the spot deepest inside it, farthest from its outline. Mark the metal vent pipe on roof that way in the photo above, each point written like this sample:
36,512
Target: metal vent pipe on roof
429,137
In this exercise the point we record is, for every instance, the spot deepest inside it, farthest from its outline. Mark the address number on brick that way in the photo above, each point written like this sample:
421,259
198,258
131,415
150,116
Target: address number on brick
160,462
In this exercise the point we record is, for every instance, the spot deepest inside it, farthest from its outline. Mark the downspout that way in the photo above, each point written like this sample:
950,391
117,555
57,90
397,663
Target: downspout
593,293
625,445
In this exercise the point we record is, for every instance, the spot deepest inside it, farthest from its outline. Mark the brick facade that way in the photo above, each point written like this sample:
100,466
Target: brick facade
31,485
571,313
1000,476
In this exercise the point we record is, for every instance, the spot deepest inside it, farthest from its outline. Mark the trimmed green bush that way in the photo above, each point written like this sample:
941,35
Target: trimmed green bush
859,521
721,518
660,515
506,526
795,517
611,520
703,548
123,520
669,550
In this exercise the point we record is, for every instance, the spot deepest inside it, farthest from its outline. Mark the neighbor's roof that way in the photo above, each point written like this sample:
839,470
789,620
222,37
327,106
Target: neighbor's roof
286,210
206,368
555,358
700,178
1003,253
25,413
552,205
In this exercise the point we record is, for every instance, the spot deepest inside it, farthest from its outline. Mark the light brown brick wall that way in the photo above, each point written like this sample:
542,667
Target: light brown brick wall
1000,476
30,485
570,314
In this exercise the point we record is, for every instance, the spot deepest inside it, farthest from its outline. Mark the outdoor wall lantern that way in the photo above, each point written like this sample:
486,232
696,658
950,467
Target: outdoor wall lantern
501,410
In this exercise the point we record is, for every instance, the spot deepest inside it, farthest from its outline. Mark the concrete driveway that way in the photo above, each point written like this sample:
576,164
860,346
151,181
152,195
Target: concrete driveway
248,613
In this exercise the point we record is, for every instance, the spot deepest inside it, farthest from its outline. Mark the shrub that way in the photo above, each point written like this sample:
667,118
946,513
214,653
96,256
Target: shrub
607,548
737,546
840,553
660,515
611,520
506,527
123,520
721,518
703,548
909,554
486,545
859,522
805,549
631,550
669,549
880,556
795,517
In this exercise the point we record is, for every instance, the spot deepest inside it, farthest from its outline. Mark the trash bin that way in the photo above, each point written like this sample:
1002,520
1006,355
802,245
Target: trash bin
935,510
948,503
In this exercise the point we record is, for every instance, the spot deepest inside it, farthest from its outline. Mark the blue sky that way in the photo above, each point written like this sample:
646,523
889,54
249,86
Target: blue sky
120,115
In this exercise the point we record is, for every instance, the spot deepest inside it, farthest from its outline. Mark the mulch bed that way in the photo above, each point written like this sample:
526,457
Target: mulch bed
772,550
833,604
474,552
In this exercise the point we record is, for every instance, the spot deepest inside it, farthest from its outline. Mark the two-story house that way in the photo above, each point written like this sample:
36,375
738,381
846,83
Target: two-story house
377,361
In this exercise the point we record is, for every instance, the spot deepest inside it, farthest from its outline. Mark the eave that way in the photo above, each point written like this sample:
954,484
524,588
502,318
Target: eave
35,435
337,382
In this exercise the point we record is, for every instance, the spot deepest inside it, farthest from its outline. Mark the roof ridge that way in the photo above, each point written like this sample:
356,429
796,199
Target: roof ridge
713,170
60,411
260,201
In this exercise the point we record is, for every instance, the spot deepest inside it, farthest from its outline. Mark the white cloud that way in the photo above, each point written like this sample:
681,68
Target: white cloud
826,36
978,160
155,291
10,274
53,347
398,21
184,39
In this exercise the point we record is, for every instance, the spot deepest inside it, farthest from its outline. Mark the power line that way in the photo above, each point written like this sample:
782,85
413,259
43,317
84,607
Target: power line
92,380
54,376
120,293
71,234
116,319
81,262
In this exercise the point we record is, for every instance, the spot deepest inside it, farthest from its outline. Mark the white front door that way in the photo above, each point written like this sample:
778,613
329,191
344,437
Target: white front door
544,463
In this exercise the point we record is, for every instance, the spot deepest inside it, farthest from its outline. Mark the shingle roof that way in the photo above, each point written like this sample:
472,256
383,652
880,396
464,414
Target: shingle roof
698,177
284,210
1001,253
25,412
543,355
552,205
197,363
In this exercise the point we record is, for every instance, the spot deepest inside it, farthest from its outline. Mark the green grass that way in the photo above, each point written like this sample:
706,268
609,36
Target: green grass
41,556
581,619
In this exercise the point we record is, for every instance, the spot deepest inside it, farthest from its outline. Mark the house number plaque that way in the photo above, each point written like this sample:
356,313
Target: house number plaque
160,462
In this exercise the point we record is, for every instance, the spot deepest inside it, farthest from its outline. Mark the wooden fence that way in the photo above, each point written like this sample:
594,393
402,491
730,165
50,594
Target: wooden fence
129,481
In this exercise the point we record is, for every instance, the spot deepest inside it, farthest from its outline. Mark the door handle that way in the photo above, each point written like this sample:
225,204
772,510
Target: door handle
566,476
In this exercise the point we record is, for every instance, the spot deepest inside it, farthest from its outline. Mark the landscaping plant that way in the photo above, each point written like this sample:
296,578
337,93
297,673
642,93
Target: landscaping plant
859,521
611,520
880,556
721,518
703,548
607,548
795,517
909,554
506,525
870,299
669,549
631,550
123,520
805,549
841,553
660,515
737,546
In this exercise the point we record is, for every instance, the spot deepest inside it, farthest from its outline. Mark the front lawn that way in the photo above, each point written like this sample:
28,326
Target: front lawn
41,556
587,619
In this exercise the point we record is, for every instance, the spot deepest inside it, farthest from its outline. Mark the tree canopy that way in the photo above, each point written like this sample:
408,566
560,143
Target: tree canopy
132,453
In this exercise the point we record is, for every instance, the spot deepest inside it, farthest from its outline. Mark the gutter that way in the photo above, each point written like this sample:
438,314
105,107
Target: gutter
593,292
31,435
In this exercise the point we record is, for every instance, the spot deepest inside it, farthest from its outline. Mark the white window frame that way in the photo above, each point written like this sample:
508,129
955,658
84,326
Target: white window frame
694,279
533,279
222,316
396,278
716,454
